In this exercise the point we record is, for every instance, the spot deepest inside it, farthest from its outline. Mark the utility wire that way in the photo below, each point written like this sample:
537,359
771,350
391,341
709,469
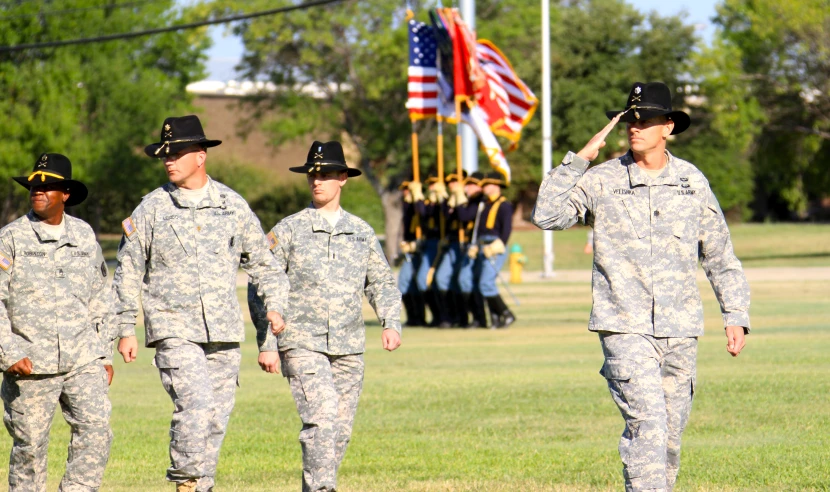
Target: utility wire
78,9
192,25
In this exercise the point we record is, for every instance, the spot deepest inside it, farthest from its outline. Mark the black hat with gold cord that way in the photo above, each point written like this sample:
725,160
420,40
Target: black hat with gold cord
55,168
177,134
325,157
650,100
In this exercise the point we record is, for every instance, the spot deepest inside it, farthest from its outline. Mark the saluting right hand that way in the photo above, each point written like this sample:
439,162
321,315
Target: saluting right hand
23,367
591,149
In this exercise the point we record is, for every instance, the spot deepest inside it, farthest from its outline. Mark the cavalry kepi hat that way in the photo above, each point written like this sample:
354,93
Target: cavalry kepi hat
495,178
178,133
648,101
55,168
325,157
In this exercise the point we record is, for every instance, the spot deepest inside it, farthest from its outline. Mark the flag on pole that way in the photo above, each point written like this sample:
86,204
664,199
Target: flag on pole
422,101
477,120
507,101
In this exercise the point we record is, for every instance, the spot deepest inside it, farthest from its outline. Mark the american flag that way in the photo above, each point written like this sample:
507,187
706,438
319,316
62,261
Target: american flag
422,72
515,102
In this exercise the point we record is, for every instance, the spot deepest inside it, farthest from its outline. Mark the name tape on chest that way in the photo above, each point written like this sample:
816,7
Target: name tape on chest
128,226
5,263
686,192
34,254
81,254
225,212
171,217
357,239
272,240
623,191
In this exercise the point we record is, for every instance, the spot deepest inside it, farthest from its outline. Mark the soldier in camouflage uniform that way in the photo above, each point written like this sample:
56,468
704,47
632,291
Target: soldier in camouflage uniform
654,216
55,333
332,259
180,252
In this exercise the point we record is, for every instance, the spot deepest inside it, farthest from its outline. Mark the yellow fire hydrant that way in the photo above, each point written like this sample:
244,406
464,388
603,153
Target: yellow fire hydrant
517,259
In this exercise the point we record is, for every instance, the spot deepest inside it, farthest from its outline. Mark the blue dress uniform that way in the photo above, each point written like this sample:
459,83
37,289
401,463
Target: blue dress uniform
495,224
450,264
413,298
430,214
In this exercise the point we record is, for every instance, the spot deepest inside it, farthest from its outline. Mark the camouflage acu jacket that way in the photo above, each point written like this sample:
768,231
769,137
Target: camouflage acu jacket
649,234
329,269
55,300
183,260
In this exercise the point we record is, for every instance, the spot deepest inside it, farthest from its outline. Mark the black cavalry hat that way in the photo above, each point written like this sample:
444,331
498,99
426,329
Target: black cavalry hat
495,178
178,133
449,178
325,157
649,100
55,168
474,178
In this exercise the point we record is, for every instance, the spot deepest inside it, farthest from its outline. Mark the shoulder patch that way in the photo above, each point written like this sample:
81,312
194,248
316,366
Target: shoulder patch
5,263
272,240
128,226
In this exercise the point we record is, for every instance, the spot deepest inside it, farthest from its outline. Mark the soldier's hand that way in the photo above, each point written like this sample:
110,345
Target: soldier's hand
391,339
110,374
277,323
735,340
23,367
128,348
269,362
591,149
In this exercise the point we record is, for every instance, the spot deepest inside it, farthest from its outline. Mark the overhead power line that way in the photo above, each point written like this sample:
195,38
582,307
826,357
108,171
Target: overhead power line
180,27
77,9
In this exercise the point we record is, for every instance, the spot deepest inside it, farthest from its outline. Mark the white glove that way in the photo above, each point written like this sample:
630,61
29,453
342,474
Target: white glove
416,192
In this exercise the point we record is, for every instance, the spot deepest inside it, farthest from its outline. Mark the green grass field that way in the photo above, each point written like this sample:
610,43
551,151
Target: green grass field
524,409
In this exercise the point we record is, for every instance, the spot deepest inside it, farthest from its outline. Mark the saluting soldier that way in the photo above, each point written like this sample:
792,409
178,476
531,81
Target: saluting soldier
654,216
494,228
56,333
181,249
332,259
413,298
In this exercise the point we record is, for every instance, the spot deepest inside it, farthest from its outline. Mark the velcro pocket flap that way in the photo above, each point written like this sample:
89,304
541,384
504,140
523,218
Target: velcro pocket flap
618,369
164,360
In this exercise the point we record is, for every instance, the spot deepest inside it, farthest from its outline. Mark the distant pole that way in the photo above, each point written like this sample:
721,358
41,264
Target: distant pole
547,142
469,141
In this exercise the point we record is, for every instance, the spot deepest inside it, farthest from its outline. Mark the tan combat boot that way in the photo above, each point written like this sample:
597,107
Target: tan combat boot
189,486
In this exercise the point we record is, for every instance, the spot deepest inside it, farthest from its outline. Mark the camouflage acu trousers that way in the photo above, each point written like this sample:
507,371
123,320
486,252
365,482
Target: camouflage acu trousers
30,403
326,389
201,379
652,382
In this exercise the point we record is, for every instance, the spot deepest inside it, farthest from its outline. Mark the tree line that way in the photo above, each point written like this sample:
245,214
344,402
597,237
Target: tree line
758,94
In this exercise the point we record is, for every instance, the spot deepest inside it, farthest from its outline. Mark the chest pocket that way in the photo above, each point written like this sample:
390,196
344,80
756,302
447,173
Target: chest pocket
170,242
34,274
622,219
349,253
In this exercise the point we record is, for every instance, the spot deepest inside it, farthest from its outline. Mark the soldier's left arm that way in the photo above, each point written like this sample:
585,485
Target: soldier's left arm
506,212
270,281
101,304
722,267
10,352
382,290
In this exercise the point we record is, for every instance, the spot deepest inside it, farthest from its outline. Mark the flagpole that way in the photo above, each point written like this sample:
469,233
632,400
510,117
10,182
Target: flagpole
440,143
416,174
547,236
469,141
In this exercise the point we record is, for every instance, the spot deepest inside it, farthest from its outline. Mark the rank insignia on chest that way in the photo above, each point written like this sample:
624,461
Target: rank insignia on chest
272,240
5,263
59,273
128,226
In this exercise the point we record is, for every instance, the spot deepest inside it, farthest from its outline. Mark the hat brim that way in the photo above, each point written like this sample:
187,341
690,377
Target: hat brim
325,167
77,190
487,181
681,120
152,150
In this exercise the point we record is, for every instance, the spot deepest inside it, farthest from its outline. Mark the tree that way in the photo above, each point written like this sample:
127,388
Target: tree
98,104
784,53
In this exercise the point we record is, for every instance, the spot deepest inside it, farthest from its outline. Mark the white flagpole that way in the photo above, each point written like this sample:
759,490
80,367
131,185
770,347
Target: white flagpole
469,141
546,129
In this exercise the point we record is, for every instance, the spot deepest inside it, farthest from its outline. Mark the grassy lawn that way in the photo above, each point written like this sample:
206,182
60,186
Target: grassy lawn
523,409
